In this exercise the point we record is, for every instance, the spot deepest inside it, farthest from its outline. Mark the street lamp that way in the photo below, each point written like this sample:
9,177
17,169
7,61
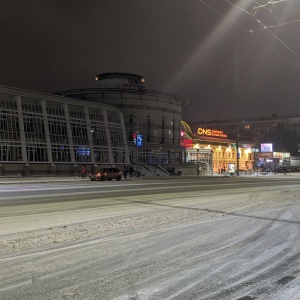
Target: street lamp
197,162
93,130
237,154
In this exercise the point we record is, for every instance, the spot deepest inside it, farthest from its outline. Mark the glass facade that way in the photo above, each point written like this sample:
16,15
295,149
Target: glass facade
45,128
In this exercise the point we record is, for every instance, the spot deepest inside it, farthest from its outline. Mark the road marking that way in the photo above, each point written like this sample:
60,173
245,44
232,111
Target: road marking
103,240
14,189
67,187
11,287
56,195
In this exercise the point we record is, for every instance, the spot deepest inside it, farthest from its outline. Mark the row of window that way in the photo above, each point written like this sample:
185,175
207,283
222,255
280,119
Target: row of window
223,155
163,109
150,156
171,133
62,125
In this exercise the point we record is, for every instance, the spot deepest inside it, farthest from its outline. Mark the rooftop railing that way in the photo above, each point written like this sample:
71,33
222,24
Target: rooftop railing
85,94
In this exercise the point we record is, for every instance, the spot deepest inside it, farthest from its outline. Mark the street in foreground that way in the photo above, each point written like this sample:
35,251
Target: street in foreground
204,238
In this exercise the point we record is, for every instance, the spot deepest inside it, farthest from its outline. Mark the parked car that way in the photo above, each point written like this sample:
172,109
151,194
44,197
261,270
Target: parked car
281,170
106,174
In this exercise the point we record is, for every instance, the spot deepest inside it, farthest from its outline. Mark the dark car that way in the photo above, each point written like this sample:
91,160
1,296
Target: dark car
281,170
107,174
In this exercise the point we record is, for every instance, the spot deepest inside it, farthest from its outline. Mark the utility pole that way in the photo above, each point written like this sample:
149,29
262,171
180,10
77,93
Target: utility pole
136,143
237,154
198,162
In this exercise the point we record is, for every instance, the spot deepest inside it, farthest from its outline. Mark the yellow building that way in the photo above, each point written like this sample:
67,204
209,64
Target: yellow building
213,148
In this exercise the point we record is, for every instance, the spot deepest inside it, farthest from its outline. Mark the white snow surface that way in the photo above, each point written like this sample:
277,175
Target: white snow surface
220,245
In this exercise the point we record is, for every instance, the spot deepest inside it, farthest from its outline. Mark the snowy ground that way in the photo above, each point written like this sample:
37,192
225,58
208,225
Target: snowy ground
239,243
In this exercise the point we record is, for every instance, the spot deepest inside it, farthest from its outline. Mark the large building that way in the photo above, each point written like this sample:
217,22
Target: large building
50,134
118,123
152,115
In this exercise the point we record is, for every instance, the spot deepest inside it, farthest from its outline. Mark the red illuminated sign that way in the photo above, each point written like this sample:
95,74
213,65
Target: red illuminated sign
187,143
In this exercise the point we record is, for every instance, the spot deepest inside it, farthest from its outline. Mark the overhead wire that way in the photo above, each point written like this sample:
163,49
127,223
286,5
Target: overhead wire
250,16
280,23
249,31
270,3
276,25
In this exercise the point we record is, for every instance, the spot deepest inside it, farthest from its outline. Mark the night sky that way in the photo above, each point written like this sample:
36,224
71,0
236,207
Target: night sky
230,59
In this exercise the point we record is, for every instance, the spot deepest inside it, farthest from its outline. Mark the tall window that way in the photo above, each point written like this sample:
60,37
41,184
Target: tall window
131,119
162,130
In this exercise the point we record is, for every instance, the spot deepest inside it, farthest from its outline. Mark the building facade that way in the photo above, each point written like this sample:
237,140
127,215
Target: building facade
282,132
215,151
153,116
276,139
50,134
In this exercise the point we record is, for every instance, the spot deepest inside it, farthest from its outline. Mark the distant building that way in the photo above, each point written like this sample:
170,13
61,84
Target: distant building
282,132
215,151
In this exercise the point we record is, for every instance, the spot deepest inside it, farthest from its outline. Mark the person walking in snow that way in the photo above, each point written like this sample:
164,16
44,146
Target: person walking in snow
83,171
125,172
131,171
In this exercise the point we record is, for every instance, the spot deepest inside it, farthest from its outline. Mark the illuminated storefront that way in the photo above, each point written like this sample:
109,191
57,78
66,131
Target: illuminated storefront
267,159
214,148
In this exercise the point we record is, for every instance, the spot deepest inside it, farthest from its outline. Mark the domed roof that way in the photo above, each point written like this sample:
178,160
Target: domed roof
120,80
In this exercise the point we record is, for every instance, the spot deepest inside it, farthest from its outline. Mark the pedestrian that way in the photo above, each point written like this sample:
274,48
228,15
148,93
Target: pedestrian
131,171
125,172
83,171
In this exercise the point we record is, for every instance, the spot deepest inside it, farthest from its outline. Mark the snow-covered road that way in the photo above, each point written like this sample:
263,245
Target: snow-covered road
238,242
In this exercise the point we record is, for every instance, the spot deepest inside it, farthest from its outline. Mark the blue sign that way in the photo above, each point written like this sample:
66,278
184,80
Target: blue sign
83,151
139,140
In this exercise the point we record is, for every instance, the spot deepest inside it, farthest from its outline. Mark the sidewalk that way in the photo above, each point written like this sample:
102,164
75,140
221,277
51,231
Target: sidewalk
48,179
39,179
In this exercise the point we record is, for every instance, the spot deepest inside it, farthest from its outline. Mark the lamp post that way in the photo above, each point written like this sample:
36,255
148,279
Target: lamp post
93,130
137,150
136,143
237,154
197,162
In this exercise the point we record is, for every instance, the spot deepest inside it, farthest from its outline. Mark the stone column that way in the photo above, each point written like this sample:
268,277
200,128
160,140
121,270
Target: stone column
47,133
125,141
69,133
108,139
21,128
89,134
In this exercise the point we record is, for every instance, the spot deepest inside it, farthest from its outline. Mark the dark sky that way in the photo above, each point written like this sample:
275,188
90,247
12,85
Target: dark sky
224,56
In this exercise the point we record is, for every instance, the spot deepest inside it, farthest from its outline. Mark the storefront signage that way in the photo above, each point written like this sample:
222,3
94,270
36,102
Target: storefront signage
265,155
187,143
266,147
211,132
138,139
